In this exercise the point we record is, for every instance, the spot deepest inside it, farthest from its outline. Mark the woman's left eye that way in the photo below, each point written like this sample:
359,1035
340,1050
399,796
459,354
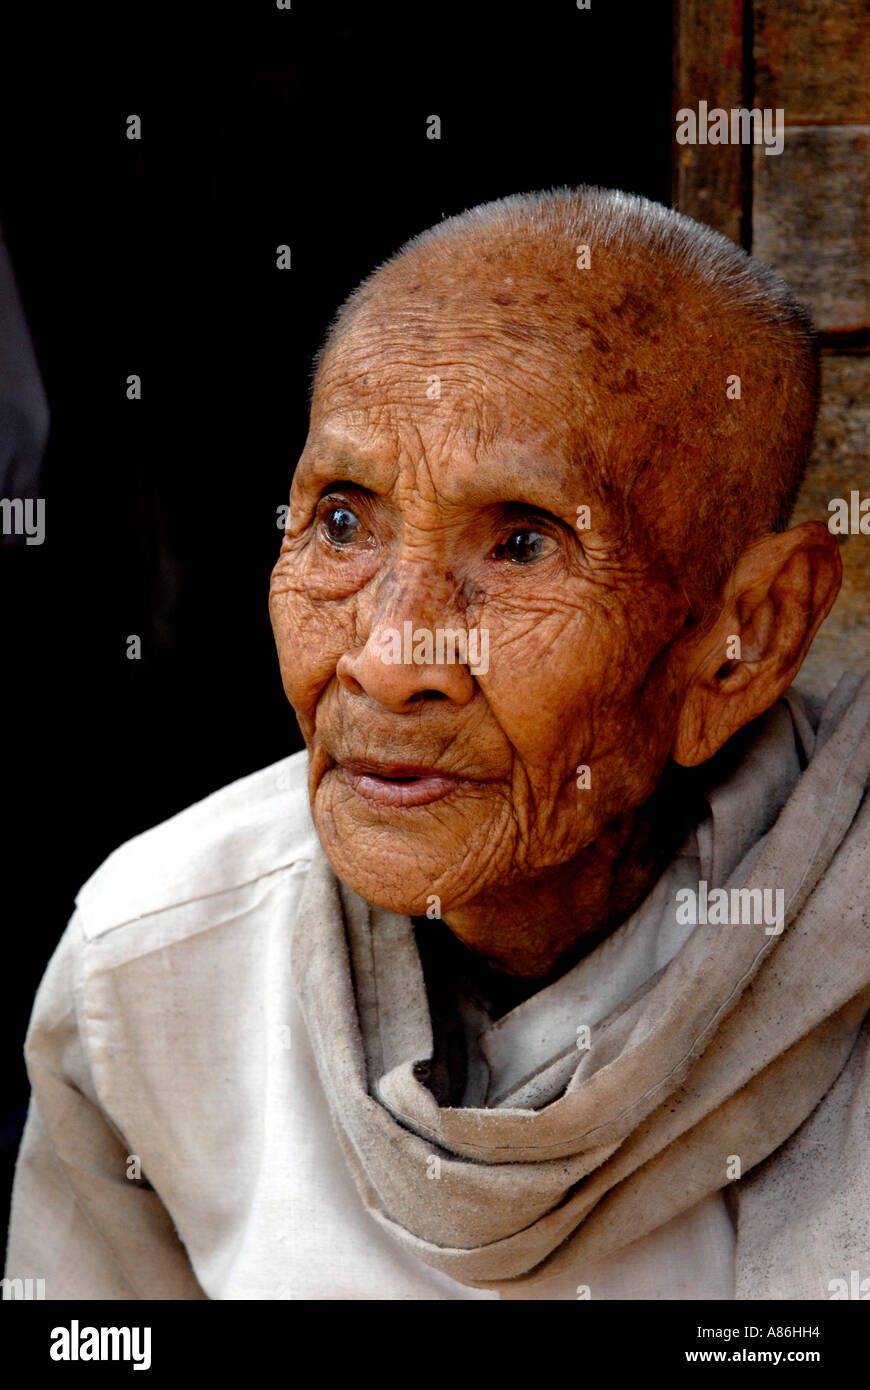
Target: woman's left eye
524,546
340,524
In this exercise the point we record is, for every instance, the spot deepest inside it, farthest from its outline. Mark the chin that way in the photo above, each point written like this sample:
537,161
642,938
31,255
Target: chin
396,870
394,885
400,859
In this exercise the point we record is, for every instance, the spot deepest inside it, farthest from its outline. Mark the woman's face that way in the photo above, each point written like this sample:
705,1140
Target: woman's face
439,488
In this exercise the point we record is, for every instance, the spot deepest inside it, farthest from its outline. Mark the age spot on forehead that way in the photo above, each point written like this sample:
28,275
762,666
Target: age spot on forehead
635,307
594,336
628,384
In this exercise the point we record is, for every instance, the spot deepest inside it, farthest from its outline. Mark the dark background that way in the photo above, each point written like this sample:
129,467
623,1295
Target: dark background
259,127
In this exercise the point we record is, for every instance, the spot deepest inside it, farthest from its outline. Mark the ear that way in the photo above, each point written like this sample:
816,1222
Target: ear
776,597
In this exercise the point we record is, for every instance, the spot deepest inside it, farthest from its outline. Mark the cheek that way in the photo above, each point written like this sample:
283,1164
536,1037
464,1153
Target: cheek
558,684
310,636
584,687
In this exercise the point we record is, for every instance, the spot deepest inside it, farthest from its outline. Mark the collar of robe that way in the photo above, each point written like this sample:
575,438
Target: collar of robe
724,1051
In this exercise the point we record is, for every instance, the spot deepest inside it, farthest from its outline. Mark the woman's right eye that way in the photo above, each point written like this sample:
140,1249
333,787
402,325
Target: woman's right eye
340,524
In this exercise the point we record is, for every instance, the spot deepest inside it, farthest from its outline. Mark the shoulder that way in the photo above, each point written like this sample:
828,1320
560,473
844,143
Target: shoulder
255,827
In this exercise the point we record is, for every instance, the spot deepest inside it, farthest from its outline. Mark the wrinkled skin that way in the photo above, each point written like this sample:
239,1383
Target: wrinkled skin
463,513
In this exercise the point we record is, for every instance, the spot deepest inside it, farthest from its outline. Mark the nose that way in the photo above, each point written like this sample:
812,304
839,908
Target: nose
407,660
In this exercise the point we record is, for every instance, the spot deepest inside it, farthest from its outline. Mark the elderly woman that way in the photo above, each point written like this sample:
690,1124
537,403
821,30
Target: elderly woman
542,972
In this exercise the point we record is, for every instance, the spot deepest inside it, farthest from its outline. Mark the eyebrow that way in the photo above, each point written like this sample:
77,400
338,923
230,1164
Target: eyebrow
512,477
340,460
524,478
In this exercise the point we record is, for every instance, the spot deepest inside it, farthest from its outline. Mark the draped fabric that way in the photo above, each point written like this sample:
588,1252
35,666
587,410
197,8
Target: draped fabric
721,1053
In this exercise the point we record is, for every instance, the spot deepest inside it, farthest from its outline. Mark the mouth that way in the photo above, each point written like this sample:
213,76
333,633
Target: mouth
398,784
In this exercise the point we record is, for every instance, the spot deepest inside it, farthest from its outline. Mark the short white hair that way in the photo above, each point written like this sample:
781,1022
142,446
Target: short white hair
624,221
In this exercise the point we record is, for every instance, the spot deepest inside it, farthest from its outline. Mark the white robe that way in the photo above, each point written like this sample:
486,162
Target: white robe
178,1143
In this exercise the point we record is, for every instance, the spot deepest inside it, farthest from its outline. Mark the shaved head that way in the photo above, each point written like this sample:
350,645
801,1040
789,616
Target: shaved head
682,373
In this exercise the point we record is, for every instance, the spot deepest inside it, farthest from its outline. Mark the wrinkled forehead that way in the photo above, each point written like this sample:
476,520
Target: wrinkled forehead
464,376
458,419
442,399
511,347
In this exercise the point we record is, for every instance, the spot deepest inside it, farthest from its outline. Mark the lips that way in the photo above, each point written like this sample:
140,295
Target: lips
398,784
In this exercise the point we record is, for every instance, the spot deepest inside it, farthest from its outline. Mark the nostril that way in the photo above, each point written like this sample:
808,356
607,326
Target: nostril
349,681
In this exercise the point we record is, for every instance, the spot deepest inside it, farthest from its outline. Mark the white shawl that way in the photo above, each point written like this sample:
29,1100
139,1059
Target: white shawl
724,1052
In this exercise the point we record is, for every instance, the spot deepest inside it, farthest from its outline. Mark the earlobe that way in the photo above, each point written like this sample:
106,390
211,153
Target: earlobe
774,601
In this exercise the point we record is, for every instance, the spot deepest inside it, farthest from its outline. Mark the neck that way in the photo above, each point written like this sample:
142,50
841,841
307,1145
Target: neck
538,928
